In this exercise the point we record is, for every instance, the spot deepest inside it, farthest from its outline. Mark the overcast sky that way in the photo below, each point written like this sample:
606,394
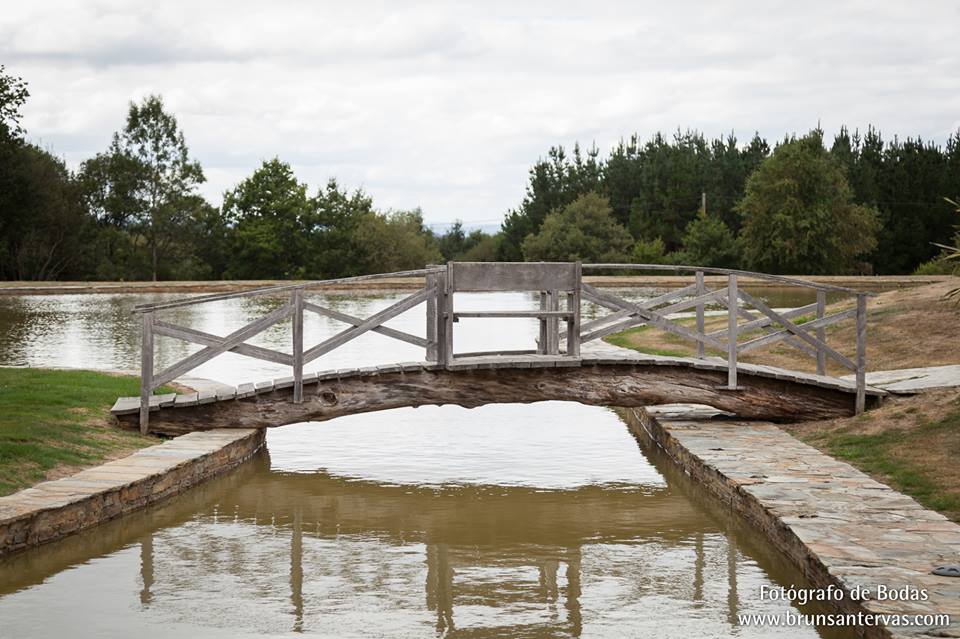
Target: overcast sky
446,105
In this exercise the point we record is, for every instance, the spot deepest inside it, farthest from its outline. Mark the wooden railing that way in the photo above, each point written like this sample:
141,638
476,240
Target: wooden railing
561,291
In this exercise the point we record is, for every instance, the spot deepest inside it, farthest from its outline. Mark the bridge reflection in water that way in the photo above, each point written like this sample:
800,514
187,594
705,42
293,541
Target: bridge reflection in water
262,551
519,551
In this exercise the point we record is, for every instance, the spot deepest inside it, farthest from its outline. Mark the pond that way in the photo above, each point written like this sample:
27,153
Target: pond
502,521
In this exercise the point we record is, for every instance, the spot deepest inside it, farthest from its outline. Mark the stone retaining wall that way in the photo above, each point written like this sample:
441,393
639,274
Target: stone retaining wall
839,526
54,509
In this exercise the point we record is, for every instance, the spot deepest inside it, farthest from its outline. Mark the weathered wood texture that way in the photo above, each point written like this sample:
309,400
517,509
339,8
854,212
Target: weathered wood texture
553,282
513,276
732,301
613,384
861,370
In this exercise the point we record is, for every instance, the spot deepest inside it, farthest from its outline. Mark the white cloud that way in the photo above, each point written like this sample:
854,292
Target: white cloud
446,105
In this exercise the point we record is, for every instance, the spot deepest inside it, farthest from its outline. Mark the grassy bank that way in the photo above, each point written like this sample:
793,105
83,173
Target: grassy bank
53,422
911,443
907,328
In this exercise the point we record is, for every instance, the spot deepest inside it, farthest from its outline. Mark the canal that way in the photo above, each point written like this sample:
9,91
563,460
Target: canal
542,520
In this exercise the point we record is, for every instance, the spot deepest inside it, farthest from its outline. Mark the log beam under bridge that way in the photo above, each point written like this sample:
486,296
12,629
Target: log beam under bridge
763,392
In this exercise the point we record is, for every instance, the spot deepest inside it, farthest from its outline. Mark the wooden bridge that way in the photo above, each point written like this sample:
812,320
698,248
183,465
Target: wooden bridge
559,367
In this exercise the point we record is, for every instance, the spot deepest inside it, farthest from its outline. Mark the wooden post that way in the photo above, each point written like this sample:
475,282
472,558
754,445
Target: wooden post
733,303
432,282
543,340
861,352
553,323
297,295
573,323
146,370
700,326
448,289
821,333
441,319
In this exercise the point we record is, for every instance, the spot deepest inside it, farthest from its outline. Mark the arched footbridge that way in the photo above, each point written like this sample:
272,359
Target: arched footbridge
563,365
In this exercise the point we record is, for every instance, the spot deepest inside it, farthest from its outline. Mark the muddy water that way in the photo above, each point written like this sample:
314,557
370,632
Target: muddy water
543,520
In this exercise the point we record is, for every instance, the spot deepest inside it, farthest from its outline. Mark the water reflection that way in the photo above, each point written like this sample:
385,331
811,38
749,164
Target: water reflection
266,551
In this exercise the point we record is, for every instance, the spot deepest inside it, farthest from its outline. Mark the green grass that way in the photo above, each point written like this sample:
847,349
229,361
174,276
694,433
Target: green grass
622,339
886,453
50,418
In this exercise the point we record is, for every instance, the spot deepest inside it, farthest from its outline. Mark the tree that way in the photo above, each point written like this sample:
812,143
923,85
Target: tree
13,95
43,224
44,227
553,183
481,247
335,252
650,251
708,242
397,241
273,219
453,243
799,215
672,179
146,180
584,230
475,246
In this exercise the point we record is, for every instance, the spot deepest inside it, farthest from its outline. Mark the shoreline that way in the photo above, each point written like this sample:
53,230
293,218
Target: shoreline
860,282
52,510
811,507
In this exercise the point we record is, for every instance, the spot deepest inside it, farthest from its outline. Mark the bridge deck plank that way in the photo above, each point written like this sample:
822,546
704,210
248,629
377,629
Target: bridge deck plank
131,405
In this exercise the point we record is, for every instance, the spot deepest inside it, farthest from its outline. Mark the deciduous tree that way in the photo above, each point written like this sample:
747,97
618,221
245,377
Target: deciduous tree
799,215
147,180
583,230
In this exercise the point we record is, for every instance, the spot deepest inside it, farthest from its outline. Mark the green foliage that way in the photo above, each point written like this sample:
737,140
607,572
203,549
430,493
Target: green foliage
457,245
272,218
13,95
708,242
799,215
903,180
396,241
583,230
453,243
554,183
952,253
655,188
938,266
483,247
145,183
44,228
339,214
279,231
649,251
133,211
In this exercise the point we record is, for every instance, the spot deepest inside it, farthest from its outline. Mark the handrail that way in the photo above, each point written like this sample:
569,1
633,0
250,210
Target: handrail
279,288
727,271
552,282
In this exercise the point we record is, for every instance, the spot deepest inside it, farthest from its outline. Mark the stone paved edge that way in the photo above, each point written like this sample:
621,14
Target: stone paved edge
836,524
55,509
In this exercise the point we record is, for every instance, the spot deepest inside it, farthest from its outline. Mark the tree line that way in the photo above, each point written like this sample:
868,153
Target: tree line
134,212
858,204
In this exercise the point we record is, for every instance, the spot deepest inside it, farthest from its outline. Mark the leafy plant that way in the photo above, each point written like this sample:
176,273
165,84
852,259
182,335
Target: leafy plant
953,253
